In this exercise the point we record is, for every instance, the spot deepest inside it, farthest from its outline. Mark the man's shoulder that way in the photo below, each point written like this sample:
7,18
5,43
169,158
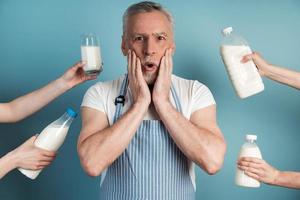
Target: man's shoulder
179,81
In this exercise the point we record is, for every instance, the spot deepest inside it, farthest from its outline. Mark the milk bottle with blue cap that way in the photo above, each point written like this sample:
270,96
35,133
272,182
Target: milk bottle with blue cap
249,149
244,76
52,137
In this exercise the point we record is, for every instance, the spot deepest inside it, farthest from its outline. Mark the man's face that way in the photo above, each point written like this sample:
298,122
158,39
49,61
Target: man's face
148,35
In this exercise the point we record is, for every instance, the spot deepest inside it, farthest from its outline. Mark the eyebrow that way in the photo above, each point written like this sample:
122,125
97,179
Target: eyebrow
155,34
161,33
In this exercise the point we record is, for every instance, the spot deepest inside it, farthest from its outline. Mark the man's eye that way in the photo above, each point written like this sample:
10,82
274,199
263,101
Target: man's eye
138,38
161,38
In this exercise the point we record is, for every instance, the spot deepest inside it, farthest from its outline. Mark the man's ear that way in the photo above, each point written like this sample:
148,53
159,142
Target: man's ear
123,46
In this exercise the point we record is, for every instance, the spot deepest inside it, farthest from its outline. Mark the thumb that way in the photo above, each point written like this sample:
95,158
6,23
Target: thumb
31,139
246,58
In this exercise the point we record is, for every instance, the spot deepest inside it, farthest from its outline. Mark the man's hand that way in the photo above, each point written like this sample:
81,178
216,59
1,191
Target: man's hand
75,75
163,82
258,169
137,84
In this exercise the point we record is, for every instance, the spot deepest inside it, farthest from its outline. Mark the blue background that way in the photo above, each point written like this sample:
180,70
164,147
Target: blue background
40,39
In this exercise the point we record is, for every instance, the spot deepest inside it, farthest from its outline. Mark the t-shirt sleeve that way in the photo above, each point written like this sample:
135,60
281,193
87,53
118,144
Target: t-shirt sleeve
201,97
94,98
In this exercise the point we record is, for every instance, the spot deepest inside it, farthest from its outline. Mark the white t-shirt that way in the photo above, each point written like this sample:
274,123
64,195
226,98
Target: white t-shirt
192,95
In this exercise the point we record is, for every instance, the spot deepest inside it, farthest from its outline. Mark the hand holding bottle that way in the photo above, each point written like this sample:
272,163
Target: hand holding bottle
273,72
248,149
28,156
244,76
262,65
258,169
52,137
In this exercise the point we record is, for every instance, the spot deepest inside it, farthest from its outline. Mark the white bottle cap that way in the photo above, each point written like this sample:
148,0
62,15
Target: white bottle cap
227,31
251,137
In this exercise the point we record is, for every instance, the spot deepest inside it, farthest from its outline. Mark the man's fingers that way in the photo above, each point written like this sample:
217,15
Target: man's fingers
171,58
170,61
167,58
139,68
133,64
162,65
129,61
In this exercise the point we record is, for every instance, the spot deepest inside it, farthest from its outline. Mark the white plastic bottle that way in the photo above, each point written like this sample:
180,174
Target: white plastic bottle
52,137
244,76
249,149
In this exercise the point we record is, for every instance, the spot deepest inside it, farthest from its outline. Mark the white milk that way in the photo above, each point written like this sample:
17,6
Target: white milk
249,149
91,55
51,138
244,76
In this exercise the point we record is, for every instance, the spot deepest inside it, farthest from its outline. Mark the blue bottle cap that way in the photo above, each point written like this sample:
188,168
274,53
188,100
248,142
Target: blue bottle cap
71,113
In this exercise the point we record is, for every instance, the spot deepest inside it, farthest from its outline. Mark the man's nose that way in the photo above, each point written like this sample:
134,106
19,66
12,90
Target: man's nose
150,47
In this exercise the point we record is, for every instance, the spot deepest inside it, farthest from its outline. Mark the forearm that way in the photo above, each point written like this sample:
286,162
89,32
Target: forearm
7,163
26,105
200,145
101,149
288,179
282,75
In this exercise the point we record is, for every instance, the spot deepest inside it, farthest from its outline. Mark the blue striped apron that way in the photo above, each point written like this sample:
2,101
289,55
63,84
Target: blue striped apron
152,167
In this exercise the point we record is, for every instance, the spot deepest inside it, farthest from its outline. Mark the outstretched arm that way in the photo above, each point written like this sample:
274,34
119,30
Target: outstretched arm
26,105
262,171
26,156
276,73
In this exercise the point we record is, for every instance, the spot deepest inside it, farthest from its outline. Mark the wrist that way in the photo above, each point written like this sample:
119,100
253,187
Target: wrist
142,106
61,84
277,176
267,70
162,105
11,160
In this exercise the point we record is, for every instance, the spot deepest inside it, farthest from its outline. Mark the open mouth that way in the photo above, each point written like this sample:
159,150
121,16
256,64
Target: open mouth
150,66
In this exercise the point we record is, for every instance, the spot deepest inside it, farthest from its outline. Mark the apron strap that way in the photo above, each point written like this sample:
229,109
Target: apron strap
120,100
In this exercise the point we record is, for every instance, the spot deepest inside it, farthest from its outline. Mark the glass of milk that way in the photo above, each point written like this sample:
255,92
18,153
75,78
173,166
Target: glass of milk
91,54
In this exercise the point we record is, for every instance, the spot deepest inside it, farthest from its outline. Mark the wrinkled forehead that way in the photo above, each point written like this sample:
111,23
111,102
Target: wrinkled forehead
148,23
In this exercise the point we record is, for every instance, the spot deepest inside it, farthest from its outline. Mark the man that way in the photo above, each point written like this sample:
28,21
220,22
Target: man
144,131
258,168
28,156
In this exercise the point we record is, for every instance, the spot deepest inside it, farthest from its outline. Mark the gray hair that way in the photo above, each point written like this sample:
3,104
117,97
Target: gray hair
144,7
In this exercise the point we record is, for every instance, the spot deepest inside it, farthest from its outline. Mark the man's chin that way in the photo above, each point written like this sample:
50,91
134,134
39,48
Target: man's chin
150,78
